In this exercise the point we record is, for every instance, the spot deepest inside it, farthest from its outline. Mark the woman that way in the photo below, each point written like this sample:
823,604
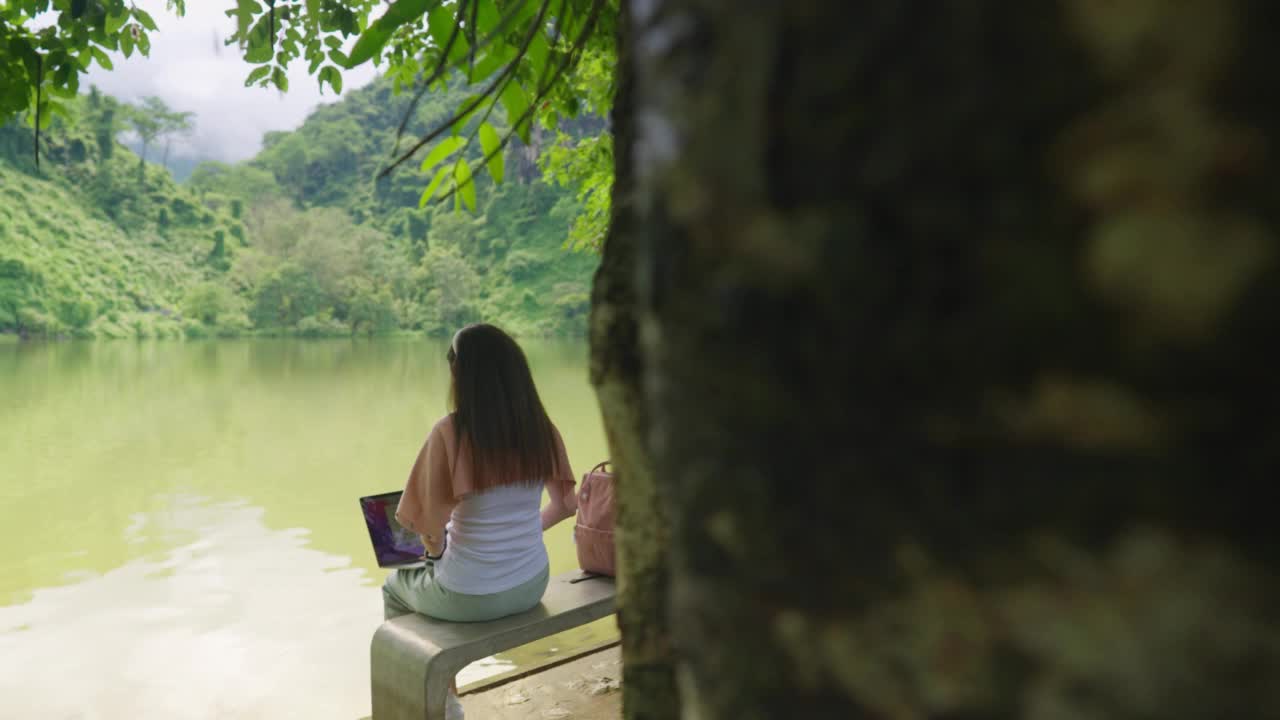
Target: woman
475,490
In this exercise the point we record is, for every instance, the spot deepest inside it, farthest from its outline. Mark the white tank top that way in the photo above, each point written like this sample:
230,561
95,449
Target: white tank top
495,541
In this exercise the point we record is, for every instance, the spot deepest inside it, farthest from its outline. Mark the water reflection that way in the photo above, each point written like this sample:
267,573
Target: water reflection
241,621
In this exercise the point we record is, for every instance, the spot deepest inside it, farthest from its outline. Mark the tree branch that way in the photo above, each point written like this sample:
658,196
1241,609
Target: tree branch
475,102
574,52
435,74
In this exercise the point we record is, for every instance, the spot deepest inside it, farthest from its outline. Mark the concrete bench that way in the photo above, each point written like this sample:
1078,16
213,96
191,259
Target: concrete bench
415,657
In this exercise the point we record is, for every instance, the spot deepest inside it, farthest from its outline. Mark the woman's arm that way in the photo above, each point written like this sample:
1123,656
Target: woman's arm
556,510
561,488
428,499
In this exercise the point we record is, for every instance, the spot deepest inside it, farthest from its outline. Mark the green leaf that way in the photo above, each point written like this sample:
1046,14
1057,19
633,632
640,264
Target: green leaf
245,12
258,74
258,54
370,42
145,18
538,53
487,65
56,108
348,24
62,92
144,44
526,11
126,44
434,185
403,11
516,102
440,24
260,47
45,115
487,17
279,79
103,59
477,103
373,39
490,142
466,187
331,75
442,150
340,58
62,75
115,22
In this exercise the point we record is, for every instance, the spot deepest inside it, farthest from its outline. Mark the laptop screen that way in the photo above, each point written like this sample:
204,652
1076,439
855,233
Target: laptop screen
393,544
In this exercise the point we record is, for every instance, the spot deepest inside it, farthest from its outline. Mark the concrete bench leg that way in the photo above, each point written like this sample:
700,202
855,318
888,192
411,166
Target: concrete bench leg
414,658
410,679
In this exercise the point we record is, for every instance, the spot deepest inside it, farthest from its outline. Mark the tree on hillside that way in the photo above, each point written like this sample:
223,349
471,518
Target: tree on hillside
286,295
174,124
146,126
370,309
208,301
449,284
153,119
458,230
240,182
102,118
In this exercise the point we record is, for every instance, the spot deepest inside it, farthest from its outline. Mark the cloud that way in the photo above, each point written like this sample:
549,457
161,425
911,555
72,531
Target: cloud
190,69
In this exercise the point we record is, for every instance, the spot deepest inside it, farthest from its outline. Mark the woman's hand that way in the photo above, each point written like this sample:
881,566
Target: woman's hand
435,544
555,511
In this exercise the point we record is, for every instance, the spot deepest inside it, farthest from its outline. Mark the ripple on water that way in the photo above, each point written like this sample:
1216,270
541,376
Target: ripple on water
247,622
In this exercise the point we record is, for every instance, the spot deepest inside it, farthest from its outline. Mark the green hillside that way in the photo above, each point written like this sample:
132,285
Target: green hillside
299,240
65,269
94,242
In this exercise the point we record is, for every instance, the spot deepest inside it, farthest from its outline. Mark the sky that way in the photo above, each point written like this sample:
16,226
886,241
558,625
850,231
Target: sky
190,69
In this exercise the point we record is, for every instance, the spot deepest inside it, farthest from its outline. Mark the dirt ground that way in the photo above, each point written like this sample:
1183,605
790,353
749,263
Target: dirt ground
587,688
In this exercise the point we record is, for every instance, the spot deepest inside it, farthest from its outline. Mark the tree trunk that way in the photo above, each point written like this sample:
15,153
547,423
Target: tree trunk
953,366
616,372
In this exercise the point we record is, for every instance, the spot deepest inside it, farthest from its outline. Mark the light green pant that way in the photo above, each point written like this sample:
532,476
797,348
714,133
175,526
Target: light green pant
410,590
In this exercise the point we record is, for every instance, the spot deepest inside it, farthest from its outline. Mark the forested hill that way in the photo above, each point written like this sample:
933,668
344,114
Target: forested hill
298,240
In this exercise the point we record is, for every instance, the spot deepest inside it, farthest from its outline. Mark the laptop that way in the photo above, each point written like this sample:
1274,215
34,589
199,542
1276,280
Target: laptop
393,545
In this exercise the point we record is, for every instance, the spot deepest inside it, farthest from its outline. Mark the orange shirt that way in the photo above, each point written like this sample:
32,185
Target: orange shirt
443,475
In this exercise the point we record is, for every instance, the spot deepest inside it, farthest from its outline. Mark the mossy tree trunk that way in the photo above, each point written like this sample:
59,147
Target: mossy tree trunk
939,331
616,373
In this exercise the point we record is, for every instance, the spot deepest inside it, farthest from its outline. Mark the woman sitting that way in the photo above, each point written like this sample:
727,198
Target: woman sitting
474,493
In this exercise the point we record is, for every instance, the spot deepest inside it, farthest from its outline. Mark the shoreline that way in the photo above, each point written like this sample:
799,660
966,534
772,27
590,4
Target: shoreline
7,338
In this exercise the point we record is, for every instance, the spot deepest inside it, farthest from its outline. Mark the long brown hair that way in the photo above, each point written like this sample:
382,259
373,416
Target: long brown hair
497,414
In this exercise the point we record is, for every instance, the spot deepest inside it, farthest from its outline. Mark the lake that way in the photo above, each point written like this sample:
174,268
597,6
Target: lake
179,521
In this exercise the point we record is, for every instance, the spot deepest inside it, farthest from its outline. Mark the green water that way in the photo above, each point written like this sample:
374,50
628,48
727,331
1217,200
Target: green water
179,531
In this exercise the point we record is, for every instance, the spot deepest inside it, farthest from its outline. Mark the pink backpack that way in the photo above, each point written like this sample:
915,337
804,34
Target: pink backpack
593,532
